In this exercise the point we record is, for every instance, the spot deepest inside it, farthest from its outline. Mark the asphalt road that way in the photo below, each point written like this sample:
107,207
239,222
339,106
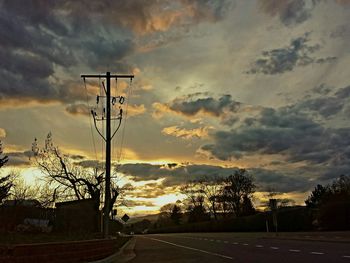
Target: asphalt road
231,247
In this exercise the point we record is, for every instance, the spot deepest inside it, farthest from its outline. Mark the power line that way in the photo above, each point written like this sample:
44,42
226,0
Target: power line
91,130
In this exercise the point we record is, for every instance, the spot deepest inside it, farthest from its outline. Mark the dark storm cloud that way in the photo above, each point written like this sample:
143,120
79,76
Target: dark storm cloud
281,60
295,132
107,50
285,132
290,12
149,16
190,105
326,105
39,37
322,89
267,179
175,175
264,179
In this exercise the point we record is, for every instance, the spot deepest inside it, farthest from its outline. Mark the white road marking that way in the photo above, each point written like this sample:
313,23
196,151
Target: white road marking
190,248
294,250
225,242
245,244
346,256
316,253
274,247
259,246
235,243
211,239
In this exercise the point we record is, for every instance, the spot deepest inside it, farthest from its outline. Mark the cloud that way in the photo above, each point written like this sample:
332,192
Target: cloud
83,109
186,134
342,31
133,203
43,44
134,110
202,104
322,89
326,105
282,60
173,175
151,190
78,109
2,133
294,132
19,159
267,179
180,174
290,12
148,16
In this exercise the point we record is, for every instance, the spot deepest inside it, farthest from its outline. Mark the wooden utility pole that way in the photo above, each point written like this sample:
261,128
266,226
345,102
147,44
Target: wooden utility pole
107,139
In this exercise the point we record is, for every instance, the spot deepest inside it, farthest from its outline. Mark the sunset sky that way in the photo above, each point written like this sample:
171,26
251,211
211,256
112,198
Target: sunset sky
219,85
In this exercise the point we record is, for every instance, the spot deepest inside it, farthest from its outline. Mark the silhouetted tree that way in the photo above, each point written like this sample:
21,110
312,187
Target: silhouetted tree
164,215
6,181
318,196
333,204
70,179
176,214
44,194
238,189
247,207
212,189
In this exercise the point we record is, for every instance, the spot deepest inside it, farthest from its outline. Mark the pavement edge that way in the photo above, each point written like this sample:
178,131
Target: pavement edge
124,254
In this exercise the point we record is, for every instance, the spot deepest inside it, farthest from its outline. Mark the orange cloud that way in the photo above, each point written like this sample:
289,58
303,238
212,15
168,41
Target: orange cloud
159,109
2,133
134,110
186,134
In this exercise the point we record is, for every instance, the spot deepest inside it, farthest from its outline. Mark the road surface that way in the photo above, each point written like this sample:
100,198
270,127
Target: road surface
231,247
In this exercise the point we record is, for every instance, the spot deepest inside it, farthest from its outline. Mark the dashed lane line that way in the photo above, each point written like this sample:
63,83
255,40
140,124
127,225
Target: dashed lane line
235,243
294,250
346,256
275,248
245,244
317,253
259,246
191,248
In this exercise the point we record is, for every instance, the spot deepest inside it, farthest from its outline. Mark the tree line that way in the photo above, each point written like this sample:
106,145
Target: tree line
216,198
206,199
327,206
63,180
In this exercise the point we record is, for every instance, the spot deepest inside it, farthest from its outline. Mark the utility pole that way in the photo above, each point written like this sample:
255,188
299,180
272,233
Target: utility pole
108,138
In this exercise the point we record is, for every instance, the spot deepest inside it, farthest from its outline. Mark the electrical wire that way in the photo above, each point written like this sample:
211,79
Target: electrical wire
91,129
126,115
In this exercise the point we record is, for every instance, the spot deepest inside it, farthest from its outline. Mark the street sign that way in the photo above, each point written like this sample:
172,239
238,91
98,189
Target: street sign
125,218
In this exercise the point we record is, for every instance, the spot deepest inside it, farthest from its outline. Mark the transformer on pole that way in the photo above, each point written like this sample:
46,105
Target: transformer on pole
108,138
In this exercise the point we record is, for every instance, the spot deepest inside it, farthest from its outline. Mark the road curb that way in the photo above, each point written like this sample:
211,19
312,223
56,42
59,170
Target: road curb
124,254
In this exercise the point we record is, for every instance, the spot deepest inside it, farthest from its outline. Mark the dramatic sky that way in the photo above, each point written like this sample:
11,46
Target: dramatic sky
219,85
